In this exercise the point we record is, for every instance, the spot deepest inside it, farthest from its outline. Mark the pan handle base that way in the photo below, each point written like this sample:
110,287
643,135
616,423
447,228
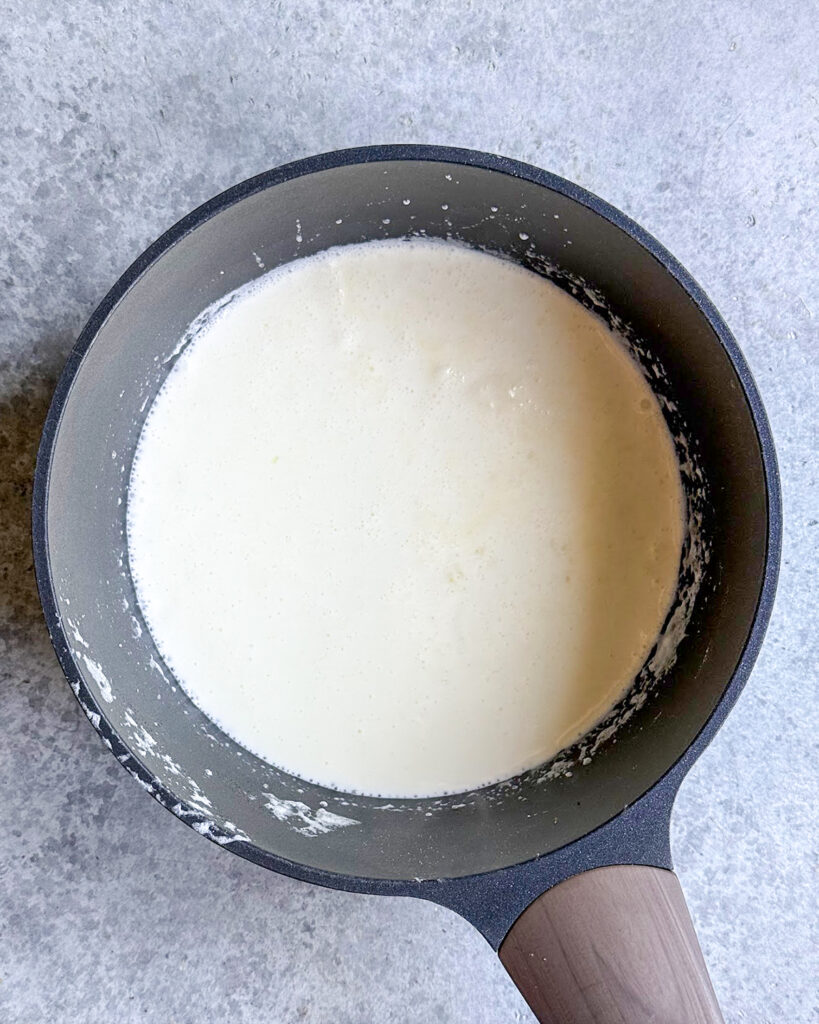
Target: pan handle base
493,902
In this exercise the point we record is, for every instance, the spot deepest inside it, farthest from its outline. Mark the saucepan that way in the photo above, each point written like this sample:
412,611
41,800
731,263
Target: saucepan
566,869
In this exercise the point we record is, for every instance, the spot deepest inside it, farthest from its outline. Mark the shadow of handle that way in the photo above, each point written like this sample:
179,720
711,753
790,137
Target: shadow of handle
614,945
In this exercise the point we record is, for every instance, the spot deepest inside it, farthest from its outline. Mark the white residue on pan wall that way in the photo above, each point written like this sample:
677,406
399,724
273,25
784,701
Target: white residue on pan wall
303,819
100,678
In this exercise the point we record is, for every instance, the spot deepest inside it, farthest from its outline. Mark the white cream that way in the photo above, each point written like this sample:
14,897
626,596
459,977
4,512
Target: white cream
405,519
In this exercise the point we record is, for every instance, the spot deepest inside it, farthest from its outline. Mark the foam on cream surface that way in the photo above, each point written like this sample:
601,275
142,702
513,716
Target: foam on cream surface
405,519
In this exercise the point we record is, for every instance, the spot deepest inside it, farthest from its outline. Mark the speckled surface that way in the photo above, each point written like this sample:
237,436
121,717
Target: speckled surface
700,120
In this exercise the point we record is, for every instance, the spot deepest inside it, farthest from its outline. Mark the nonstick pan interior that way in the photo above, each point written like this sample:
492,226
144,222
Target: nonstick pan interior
121,361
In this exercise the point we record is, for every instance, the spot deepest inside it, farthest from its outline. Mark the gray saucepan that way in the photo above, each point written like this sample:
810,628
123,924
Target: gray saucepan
565,869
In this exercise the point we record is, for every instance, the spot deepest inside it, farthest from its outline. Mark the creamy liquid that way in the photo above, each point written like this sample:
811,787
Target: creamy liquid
405,519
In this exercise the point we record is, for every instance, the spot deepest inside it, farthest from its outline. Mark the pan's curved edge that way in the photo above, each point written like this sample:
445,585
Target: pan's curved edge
493,900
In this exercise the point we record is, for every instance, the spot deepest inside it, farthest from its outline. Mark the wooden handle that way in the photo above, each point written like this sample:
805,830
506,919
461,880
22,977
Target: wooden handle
611,946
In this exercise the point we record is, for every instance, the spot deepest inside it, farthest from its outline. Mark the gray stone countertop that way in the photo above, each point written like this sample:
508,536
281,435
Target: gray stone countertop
700,120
